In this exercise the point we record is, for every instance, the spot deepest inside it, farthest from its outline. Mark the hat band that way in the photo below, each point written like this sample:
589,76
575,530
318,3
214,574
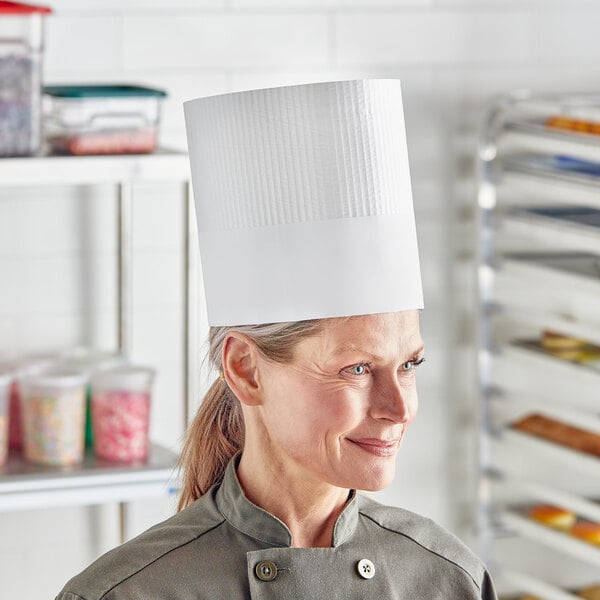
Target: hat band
313,270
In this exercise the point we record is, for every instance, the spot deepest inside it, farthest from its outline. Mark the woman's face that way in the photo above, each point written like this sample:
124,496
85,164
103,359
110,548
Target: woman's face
338,412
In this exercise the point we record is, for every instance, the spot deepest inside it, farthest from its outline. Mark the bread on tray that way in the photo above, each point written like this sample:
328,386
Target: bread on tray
559,432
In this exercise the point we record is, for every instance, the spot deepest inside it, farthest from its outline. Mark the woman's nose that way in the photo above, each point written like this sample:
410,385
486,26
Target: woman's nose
394,402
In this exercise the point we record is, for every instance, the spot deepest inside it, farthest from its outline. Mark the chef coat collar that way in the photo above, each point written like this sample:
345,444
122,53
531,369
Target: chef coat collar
261,525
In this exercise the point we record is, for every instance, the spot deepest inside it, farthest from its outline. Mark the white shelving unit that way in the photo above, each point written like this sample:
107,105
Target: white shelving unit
539,269
23,485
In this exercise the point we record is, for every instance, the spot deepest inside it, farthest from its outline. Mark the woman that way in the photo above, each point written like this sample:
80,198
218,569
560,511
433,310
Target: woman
313,405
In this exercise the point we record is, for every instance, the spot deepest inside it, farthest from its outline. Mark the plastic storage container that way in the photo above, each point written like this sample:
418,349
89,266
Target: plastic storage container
102,119
21,47
6,379
22,367
53,415
90,360
121,412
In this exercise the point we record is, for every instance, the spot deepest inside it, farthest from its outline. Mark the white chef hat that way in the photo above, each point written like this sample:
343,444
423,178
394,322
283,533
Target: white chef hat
304,203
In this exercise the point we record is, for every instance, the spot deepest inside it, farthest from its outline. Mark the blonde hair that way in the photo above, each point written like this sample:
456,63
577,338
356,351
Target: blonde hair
217,432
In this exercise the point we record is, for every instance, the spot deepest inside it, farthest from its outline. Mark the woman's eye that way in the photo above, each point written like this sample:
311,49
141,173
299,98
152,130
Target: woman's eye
410,365
358,369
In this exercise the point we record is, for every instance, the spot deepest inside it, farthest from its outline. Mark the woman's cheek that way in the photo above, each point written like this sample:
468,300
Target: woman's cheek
343,409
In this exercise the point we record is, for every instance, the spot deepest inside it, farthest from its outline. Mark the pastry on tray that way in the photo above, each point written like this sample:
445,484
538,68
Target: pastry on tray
586,531
591,592
568,347
553,516
559,432
573,124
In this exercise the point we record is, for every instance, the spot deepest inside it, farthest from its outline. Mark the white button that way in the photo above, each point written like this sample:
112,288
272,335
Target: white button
365,568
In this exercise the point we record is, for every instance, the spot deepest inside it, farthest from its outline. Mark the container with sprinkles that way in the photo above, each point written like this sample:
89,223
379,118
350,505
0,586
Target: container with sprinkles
90,360
121,412
22,367
6,379
53,415
21,48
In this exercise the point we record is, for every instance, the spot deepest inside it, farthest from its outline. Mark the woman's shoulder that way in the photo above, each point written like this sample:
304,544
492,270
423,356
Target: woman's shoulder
133,557
424,532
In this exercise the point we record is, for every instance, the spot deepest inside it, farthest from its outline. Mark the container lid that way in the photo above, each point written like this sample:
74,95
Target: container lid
18,8
91,359
57,378
30,364
123,376
103,91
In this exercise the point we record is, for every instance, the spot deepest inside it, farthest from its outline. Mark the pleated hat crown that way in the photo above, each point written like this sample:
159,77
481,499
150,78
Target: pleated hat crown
304,202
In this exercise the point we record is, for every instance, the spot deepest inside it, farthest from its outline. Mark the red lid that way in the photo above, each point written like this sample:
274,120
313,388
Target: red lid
18,8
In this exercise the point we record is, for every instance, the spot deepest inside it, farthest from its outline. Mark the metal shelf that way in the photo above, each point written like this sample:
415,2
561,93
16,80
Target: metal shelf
24,485
532,136
536,316
506,409
535,165
551,232
163,165
531,446
565,286
546,494
532,585
523,185
576,268
522,370
562,542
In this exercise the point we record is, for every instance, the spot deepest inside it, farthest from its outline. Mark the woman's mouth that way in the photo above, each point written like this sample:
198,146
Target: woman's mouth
376,446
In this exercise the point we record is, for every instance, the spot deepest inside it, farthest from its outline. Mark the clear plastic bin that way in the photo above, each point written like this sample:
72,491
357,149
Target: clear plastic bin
53,415
102,119
22,366
21,47
121,412
90,360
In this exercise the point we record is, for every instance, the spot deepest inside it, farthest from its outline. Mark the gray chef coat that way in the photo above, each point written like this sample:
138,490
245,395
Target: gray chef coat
225,547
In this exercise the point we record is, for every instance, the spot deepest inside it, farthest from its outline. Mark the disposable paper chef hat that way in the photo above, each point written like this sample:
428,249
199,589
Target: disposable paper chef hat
304,202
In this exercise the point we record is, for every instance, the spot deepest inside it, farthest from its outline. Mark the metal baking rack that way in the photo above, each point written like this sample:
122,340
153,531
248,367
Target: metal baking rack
538,269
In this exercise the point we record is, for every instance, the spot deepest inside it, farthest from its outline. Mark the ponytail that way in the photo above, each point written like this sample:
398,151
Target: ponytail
216,434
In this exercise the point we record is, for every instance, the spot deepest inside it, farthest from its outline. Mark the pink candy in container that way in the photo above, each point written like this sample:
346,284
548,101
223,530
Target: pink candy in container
90,360
6,380
53,416
121,412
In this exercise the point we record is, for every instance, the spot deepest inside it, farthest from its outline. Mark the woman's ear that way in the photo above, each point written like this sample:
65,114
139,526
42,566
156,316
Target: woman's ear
240,368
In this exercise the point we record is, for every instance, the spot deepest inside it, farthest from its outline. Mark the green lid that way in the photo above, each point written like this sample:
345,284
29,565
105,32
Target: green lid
102,91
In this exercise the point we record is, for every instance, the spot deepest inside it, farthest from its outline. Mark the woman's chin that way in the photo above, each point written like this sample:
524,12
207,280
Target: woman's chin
377,480
376,487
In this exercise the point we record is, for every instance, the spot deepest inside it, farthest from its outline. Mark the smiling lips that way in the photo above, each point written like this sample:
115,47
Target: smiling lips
376,446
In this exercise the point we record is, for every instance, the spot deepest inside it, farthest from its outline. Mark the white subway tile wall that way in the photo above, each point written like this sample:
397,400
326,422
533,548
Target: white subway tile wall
224,41
478,37
90,42
58,245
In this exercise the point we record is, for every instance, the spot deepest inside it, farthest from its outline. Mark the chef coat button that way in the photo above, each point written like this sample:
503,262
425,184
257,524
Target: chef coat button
365,568
266,570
